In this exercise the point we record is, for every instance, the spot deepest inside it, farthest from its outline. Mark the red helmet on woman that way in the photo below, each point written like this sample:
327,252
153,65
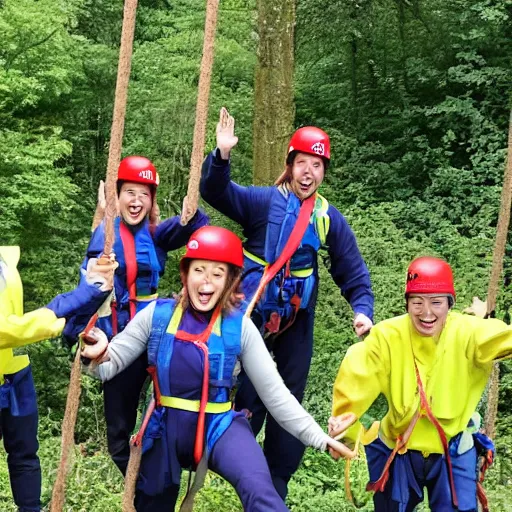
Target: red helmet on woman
138,169
429,275
310,140
215,244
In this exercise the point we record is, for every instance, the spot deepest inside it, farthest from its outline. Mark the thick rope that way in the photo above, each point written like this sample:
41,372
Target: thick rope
68,435
497,268
117,131
132,474
123,75
212,7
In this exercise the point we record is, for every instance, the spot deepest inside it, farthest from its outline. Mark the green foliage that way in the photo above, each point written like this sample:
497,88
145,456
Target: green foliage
415,96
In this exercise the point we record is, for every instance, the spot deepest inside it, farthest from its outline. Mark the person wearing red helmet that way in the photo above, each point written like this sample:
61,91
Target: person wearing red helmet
194,340
285,313
141,247
137,181
432,365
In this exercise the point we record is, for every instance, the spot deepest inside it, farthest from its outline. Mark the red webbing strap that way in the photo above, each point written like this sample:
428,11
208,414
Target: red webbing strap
113,309
292,244
200,341
130,258
401,442
430,415
480,491
156,386
136,440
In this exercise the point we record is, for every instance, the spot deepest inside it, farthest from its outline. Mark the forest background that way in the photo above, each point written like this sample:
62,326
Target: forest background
415,95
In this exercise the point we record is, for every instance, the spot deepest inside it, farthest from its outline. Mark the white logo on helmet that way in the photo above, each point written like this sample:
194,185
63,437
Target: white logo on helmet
318,148
193,245
146,175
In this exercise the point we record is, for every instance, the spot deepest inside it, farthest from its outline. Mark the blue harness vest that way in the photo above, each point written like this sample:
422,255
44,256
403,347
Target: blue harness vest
298,280
150,263
223,351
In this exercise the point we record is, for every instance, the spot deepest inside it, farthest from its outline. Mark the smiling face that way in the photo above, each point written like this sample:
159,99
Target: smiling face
428,313
135,202
206,281
307,175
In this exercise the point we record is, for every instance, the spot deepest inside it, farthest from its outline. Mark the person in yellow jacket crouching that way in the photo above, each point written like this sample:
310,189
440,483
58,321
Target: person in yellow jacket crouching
18,407
432,365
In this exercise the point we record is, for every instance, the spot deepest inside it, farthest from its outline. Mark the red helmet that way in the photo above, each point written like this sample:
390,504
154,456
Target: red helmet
137,169
216,244
429,275
311,140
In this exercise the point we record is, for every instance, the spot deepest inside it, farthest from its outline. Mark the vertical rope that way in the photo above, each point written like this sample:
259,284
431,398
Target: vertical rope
123,75
212,7
497,268
132,474
117,130
68,435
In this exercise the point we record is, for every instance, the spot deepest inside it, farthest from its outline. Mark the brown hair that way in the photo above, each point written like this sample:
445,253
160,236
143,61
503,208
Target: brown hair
231,296
286,175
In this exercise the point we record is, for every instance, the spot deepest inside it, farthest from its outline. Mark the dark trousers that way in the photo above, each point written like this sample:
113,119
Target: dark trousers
121,399
237,458
411,473
21,444
292,350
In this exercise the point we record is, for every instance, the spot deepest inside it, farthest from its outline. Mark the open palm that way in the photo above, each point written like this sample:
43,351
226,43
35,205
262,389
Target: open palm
226,139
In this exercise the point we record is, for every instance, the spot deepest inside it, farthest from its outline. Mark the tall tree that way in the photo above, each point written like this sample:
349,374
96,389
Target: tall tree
274,109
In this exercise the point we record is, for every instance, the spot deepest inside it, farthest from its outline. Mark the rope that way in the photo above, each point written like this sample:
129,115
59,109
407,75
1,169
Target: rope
68,435
132,474
497,268
123,75
116,137
212,7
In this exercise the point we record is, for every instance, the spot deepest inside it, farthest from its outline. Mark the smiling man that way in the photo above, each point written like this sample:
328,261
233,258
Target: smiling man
432,365
285,313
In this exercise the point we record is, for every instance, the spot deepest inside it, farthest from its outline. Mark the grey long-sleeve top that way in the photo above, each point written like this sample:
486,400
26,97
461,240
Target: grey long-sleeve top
259,366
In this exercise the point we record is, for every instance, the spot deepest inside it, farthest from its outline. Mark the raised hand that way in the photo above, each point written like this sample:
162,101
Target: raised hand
477,308
187,212
100,272
226,139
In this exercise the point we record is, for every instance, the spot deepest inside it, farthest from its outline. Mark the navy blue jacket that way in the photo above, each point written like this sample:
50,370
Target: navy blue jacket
169,235
249,207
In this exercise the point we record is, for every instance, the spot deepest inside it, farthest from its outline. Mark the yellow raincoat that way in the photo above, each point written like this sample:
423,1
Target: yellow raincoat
17,329
454,371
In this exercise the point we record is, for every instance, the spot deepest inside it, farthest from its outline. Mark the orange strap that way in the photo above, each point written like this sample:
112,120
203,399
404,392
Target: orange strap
130,258
401,442
292,244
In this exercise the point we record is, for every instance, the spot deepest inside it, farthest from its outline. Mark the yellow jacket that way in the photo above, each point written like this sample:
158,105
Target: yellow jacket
454,372
17,329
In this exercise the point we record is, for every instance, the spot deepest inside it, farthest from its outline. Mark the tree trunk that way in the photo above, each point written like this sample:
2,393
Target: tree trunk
274,109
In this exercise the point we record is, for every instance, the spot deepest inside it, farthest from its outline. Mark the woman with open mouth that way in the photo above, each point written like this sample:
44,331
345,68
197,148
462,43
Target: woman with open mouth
193,345
141,247
432,365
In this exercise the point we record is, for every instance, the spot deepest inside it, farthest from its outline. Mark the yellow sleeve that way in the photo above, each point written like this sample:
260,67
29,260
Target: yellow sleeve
358,383
41,324
493,340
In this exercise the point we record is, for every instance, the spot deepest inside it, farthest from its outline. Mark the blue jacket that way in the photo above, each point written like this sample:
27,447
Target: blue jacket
151,254
250,207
